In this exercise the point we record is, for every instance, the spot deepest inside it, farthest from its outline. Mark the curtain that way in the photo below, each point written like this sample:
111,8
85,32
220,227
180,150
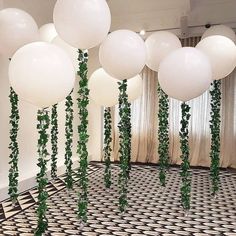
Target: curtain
145,123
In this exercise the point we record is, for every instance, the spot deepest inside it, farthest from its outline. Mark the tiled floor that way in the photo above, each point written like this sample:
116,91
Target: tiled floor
152,210
29,198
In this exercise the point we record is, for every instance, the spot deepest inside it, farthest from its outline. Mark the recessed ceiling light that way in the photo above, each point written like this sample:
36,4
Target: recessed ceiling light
142,32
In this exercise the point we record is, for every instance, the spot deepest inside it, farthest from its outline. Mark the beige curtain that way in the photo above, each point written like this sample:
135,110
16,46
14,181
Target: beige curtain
144,123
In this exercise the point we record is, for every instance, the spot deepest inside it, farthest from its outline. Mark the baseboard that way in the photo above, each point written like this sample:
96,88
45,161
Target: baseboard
29,183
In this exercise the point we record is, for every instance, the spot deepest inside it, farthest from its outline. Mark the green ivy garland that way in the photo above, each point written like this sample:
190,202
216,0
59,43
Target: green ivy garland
83,101
54,138
163,134
129,130
215,134
124,142
185,165
13,146
42,180
69,141
107,146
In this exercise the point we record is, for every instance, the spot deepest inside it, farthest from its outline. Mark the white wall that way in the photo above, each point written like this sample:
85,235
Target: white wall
42,13
28,133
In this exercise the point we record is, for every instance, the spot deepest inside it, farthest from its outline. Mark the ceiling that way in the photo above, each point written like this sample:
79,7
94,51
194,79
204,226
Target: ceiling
150,15
163,14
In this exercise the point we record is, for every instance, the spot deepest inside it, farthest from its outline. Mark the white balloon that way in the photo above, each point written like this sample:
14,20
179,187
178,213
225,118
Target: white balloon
47,32
41,73
159,45
134,88
17,28
104,89
82,23
185,73
123,54
221,52
222,30
71,51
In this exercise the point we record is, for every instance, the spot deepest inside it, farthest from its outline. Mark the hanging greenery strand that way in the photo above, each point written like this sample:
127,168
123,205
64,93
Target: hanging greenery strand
163,134
185,165
129,130
124,143
83,101
215,134
69,141
54,138
107,146
42,180
13,146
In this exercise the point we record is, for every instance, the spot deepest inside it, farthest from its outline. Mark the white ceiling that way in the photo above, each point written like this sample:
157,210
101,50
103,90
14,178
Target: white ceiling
166,14
41,10
148,14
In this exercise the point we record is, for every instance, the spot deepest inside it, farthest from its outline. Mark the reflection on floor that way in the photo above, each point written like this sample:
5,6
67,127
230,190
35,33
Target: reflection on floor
152,210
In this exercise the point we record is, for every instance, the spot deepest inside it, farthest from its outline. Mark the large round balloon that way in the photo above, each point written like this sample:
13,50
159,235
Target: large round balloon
222,30
41,73
104,89
123,54
134,88
221,52
17,28
159,45
82,23
47,32
185,73
71,51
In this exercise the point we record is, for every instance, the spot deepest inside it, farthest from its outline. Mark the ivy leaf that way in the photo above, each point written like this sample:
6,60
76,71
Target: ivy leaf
125,144
83,102
215,121
13,146
163,134
185,165
43,125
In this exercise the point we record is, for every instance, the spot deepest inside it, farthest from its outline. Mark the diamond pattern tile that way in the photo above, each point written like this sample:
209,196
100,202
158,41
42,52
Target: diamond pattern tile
152,210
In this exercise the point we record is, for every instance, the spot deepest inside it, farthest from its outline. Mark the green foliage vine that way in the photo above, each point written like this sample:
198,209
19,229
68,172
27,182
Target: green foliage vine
13,146
163,134
83,101
42,180
215,93
107,146
54,138
129,130
69,141
124,143
185,165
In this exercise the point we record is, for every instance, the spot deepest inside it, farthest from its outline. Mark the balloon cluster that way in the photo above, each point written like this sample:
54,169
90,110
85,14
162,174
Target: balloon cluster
122,56
41,67
44,61
185,73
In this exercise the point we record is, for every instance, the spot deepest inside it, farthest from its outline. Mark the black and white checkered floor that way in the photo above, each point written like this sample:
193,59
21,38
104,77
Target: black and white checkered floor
152,210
